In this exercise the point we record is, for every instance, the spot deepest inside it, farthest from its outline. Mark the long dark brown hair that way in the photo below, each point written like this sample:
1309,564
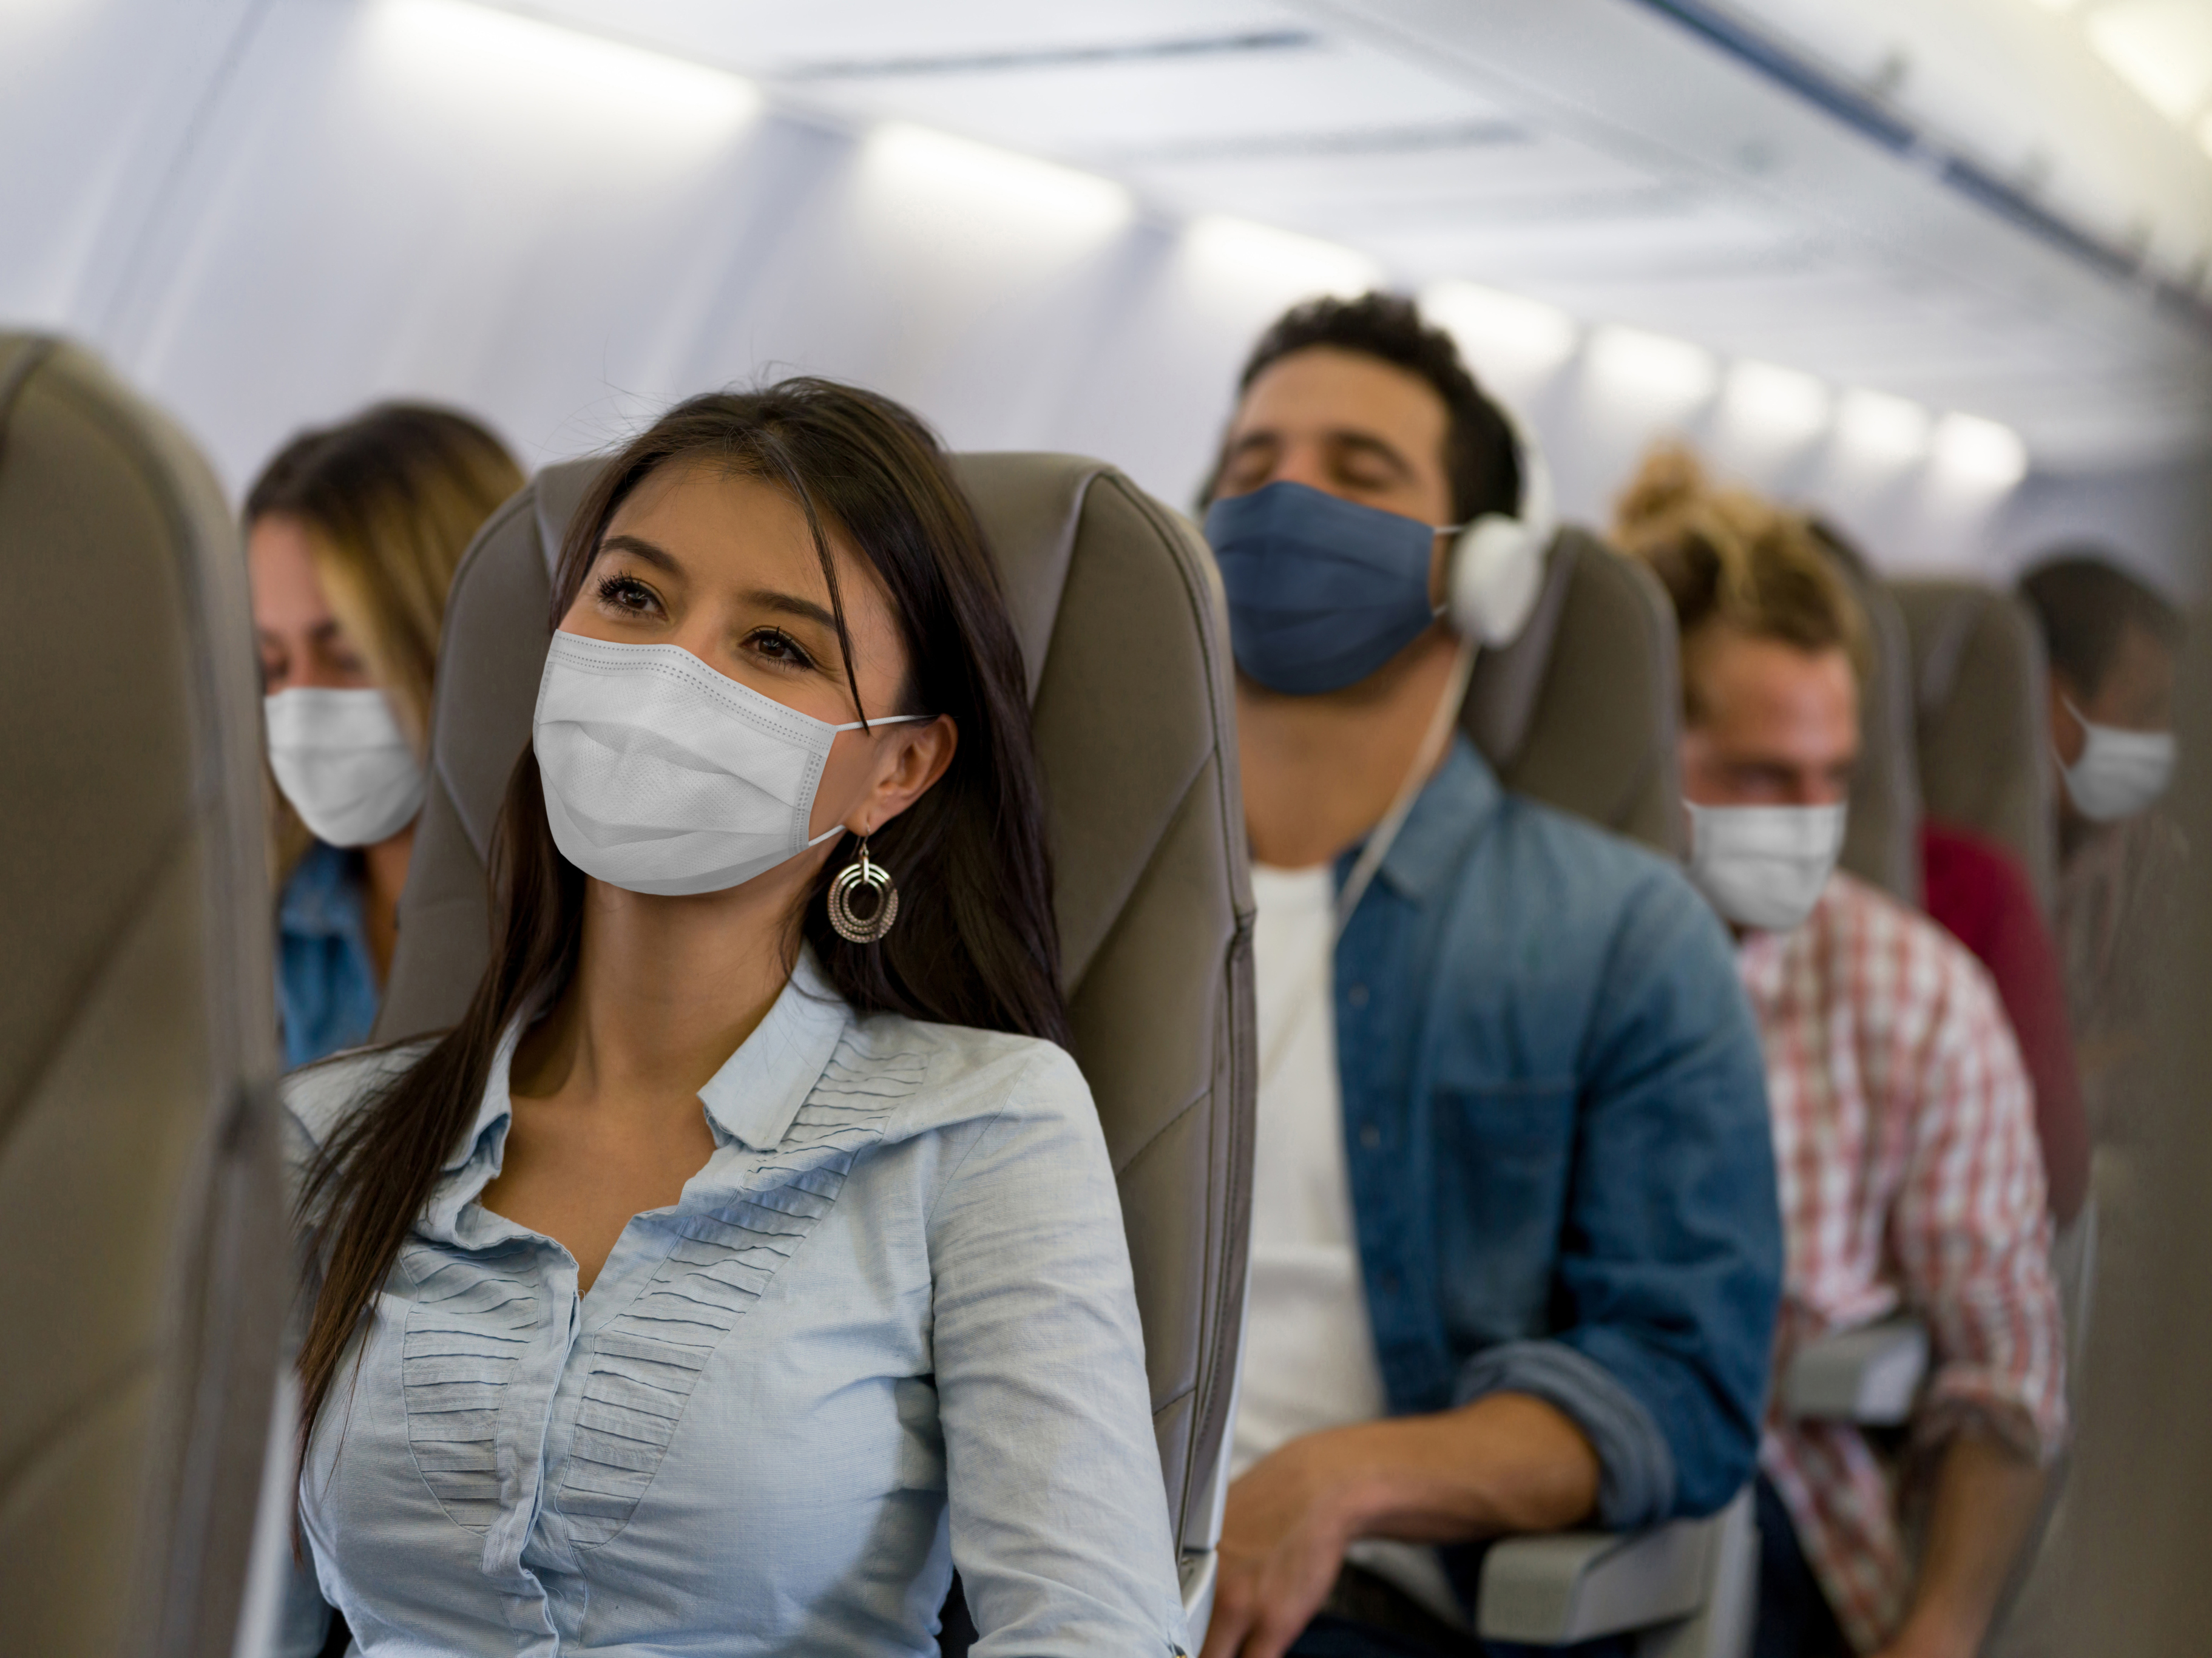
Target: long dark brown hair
975,943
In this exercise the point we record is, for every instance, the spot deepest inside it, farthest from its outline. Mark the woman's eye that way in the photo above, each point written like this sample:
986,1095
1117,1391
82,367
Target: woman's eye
778,646
628,594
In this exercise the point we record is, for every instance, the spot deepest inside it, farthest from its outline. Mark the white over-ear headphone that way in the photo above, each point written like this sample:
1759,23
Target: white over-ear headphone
1497,565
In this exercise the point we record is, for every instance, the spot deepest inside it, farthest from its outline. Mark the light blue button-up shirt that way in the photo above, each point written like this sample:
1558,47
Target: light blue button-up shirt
889,1328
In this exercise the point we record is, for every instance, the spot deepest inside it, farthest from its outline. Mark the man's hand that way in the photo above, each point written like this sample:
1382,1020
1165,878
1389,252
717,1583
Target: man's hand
1506,1463
1283,1536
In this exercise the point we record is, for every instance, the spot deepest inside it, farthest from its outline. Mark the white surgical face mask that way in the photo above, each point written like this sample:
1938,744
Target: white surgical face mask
2120,772
1765,866
663,777
344,764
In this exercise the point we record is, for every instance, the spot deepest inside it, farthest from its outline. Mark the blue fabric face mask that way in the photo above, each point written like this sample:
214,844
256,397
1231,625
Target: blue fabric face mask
1323,591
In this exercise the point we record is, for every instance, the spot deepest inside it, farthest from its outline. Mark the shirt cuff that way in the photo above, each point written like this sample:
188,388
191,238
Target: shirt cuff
1635,1465
2027,1415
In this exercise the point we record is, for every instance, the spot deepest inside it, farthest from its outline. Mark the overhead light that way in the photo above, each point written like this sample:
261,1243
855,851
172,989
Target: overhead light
524,78
1772,406
1653,367
1279,263
1502,335
1880,428
2162,48
951,178
1980,451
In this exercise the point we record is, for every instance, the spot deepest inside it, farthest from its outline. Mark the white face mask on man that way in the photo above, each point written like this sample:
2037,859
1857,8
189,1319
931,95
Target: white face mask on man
663,777
344,764
1764,866
2120,772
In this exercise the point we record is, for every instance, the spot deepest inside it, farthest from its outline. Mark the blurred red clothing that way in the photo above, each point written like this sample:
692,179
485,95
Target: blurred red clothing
1979,893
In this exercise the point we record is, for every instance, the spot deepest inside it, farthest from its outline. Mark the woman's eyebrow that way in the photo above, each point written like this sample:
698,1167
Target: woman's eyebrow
639,547
792,605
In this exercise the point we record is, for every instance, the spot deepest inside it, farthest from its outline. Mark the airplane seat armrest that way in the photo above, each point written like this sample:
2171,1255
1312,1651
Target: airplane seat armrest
1197,1569
1564,1587
1870,1376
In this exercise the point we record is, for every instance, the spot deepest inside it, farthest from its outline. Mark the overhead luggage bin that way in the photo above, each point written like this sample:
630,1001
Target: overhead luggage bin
1117,605
140,1207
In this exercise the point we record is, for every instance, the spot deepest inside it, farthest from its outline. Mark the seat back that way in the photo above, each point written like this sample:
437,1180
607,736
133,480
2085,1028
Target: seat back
1882,835
140,1209
1119,614
1979,688
1584,710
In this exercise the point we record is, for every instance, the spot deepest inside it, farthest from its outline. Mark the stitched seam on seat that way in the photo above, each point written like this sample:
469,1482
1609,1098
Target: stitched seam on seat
1204,1093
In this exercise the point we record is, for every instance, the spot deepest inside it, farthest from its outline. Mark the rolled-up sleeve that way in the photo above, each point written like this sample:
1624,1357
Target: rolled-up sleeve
1059,1515
1670,1264
1972,1233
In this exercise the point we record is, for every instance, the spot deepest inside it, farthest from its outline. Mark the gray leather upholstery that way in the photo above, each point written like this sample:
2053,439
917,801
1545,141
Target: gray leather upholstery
1881,837
1583,711
1686,1589
1116,604
1979,687
140,1214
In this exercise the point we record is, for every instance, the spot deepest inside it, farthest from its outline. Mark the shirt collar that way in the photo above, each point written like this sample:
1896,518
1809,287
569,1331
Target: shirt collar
760,1088
1448,816
753,1098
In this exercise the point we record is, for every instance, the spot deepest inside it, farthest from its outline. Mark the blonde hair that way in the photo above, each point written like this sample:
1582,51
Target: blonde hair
389,501
1728,558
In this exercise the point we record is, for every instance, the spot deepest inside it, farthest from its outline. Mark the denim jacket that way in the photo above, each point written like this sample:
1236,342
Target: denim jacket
326,990
1555,1122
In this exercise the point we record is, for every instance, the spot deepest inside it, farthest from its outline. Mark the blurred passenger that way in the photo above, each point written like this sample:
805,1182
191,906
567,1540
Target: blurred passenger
1515,1246
1980,894
353,533
2112,642
750,1229
1902,1122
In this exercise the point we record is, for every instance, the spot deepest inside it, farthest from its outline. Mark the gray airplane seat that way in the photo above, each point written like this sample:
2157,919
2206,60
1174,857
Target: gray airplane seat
1582,711
1881,836
141,1214
1114,598
1979,684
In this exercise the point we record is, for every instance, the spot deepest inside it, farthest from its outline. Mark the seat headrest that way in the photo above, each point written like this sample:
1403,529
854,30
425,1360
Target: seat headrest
1979,693
1583,710
1881,836
1029,505
1117,609
141,1204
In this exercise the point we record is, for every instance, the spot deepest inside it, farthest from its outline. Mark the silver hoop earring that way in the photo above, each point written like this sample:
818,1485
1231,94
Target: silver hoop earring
863,929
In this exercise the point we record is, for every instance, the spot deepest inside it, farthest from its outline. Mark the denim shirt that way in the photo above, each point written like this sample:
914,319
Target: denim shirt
326,990
1555,1120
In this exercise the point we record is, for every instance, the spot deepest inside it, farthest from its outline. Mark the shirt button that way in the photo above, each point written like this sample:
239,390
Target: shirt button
1369,1135
1357,995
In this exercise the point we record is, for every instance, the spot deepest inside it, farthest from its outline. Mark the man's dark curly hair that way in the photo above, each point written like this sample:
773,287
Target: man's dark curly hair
1481,456
2085,602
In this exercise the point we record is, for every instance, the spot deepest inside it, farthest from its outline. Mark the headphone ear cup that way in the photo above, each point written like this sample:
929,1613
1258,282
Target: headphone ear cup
1496,571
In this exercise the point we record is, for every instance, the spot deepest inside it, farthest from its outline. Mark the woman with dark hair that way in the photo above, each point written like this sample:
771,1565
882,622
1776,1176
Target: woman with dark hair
591,1368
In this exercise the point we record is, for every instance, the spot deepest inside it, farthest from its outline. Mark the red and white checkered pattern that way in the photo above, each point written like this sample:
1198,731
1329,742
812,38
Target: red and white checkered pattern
1905,1134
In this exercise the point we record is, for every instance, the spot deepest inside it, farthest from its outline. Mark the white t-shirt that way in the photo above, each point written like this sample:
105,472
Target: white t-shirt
1309,1352
1309,1358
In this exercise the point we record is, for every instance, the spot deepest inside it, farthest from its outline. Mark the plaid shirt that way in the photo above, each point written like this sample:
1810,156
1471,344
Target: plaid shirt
1904,1137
